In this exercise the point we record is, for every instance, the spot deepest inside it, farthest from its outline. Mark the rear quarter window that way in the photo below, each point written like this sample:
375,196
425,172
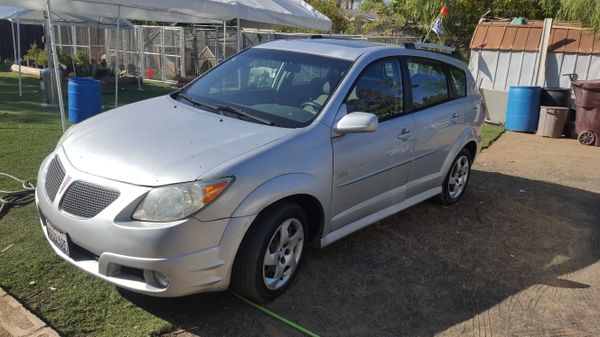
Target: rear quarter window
458,82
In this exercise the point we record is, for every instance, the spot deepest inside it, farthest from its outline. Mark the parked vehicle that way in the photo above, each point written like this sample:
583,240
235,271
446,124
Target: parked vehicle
226,181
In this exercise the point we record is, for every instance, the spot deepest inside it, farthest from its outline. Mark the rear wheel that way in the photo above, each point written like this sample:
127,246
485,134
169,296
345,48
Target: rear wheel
269,256
457,179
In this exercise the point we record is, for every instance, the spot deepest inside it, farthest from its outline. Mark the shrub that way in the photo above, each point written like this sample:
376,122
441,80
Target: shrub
81,58
32,54
42,59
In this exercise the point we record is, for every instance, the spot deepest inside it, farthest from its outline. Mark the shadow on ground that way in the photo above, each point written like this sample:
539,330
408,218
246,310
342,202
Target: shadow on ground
421,271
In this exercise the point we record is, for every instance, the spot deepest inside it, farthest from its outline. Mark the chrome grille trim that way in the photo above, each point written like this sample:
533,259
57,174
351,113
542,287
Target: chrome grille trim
86,200
54,177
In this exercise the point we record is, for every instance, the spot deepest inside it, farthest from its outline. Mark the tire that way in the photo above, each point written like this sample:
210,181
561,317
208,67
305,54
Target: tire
451,193
253,275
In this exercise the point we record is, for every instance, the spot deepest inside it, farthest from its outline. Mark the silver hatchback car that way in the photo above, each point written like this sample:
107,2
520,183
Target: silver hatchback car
226,181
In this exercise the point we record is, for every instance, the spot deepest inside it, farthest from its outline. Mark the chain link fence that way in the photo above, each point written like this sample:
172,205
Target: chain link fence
168,53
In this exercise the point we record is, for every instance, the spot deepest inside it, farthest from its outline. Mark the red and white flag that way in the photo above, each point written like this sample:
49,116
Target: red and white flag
438,27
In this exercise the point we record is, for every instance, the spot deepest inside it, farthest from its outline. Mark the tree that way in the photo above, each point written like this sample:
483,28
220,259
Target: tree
417,15
586,11
331,9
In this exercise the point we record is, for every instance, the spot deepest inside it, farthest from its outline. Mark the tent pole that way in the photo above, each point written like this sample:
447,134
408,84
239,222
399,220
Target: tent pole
140,46
117,56
61,104
224,39
239,33
19,56
217,44
12,28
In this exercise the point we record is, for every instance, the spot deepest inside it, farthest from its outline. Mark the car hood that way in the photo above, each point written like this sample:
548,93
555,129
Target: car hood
161,141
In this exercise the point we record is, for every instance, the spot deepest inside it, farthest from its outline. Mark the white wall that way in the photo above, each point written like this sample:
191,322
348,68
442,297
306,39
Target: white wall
587,67
499,70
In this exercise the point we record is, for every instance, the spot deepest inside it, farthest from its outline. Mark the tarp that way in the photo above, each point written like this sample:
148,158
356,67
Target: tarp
36,17
293,13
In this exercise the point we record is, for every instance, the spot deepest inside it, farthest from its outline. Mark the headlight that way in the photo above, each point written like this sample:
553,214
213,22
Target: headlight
174,202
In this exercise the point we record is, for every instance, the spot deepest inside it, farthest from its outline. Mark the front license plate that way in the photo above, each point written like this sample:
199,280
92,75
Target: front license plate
58,238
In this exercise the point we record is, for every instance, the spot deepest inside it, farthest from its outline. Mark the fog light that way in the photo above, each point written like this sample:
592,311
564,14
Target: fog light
161,279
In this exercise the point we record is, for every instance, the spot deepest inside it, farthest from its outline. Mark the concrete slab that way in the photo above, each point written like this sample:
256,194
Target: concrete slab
44,332
16,321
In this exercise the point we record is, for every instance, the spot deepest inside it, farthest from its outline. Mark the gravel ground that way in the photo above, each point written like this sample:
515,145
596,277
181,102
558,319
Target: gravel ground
518,256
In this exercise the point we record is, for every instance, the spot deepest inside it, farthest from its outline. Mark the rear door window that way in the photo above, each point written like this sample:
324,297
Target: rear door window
378,90
428,82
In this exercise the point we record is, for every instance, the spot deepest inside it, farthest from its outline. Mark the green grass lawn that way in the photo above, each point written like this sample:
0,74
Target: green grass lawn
69,300
490,133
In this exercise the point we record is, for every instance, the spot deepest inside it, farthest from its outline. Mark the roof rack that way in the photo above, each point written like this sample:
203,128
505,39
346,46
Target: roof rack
434,47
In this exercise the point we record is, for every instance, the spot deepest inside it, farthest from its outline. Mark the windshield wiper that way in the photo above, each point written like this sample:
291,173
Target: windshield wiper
241,112
194,102
223,107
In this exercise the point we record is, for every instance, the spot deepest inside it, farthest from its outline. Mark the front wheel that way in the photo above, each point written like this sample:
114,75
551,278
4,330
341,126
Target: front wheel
457,178
268,258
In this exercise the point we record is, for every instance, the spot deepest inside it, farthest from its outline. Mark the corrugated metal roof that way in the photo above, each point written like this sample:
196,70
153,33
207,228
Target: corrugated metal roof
565,37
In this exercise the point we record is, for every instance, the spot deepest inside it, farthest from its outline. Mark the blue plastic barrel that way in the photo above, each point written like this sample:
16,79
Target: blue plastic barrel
84,99
523,109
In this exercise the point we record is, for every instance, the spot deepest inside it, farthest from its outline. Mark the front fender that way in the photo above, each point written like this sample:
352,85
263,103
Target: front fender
283,186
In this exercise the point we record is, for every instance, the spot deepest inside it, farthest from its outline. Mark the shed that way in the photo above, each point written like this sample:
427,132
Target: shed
505,55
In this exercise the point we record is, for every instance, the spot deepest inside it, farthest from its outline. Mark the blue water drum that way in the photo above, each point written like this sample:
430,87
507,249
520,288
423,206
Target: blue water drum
523,109
84,99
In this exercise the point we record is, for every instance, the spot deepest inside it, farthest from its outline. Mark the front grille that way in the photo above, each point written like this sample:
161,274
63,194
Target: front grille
54,177
86,199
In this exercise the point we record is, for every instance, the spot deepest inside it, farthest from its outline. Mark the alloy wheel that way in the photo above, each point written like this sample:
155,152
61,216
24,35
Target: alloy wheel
283,253
458,177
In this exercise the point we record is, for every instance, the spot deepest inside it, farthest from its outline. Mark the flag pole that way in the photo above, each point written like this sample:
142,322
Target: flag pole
443,12
430,28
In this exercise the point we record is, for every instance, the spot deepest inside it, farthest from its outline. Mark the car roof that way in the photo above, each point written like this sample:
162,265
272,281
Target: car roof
343,49
351,50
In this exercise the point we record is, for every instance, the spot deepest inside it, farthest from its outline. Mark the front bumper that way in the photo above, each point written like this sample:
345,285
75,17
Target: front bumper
196,256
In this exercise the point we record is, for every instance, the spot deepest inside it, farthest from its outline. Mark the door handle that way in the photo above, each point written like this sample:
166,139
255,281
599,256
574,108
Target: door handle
404,134
455,115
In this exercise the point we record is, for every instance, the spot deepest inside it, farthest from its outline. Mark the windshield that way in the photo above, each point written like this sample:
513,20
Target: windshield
288,89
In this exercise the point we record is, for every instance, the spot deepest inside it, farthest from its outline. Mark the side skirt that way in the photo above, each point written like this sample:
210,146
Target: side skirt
374,217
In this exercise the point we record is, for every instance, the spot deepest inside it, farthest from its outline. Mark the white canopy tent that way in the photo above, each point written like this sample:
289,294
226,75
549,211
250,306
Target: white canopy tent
37,17
23,16
294,13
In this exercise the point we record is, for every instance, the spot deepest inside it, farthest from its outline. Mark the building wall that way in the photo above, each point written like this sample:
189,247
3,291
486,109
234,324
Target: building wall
587,67
499,70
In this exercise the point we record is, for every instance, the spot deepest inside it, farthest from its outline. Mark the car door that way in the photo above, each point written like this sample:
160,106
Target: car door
371,169
438,115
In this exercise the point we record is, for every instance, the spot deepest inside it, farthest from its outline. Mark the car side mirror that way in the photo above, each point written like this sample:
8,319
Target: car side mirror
357,122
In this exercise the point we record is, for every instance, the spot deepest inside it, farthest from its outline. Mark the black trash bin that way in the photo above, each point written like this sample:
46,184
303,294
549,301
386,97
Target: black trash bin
556,97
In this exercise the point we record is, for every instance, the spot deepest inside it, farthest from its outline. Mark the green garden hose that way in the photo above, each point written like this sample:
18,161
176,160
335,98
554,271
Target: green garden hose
10,199
276,316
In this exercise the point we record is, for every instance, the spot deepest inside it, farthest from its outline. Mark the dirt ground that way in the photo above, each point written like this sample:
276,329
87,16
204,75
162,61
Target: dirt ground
518,256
